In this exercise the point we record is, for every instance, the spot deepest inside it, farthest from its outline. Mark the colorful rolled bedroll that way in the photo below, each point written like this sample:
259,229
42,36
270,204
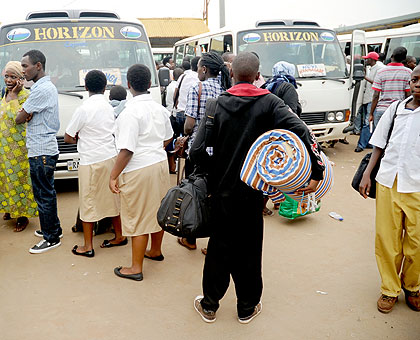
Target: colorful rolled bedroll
278,163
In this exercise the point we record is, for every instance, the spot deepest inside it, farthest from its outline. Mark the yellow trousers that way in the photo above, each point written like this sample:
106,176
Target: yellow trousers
397,239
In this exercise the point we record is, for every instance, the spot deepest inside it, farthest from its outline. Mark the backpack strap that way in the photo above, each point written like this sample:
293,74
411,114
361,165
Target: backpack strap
176,94
211,106
200,89
392,124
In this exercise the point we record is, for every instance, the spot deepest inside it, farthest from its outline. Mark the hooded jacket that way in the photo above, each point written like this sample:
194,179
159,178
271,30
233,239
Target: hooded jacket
243,113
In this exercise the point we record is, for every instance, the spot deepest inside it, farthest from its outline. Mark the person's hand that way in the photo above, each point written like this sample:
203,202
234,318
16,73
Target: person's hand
16,89
370,118
364,186
113,185
29,117
308,189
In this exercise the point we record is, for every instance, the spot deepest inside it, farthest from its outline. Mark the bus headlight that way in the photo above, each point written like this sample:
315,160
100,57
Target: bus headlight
339,116
331,116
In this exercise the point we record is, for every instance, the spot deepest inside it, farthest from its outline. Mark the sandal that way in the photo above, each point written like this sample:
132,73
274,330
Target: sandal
108,244
21,224
186,245
267,212
6,217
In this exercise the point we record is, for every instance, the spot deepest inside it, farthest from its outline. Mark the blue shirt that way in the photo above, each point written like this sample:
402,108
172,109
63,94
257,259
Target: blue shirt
42,128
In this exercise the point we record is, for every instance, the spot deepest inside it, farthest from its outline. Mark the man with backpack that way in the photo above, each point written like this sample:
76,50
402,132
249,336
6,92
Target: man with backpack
241,114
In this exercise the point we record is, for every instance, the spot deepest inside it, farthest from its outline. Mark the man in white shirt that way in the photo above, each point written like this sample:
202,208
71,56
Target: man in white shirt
398,199
185,82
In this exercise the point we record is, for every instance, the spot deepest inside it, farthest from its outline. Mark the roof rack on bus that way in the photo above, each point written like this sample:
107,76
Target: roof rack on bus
71,14
286,22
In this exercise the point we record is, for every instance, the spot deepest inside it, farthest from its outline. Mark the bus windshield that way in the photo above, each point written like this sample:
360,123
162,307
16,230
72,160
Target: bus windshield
315,53
74,48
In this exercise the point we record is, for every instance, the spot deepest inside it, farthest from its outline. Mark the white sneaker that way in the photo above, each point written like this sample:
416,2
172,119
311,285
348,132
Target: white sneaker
39,233
44,246
257,311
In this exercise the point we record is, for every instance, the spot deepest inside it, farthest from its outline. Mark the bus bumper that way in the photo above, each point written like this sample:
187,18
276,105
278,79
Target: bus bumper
329,131
67,165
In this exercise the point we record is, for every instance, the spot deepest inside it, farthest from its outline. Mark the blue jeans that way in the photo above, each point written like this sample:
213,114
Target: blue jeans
42,175
180,119
365,131
376,116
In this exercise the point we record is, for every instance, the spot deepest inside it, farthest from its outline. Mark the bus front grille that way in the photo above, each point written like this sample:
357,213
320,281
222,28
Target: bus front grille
312,118
64,147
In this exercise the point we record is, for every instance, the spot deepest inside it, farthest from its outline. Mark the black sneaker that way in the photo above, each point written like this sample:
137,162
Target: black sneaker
44,246
257,311
207,316
39,233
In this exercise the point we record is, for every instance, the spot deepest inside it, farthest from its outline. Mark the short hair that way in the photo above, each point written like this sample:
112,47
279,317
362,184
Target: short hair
139,77
187,58
245,65
177,73
409,58
186,65
166,60
227,56
118,92
95,81
36,56
399,54
194,63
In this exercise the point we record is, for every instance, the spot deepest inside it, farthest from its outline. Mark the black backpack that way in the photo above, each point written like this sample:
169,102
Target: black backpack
185,211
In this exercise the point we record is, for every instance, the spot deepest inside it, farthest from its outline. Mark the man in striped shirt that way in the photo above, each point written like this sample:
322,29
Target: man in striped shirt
41,112
390,84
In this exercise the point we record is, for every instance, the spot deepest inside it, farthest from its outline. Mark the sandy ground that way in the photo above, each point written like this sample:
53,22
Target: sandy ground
320,281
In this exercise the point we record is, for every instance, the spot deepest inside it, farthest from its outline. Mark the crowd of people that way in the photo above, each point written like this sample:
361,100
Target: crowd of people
124,148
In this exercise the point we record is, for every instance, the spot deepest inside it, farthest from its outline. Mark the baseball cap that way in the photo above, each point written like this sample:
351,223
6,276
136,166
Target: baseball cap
371,55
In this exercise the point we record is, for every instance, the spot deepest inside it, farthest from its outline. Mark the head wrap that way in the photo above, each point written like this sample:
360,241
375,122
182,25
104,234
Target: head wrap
282,72
15,67
283,68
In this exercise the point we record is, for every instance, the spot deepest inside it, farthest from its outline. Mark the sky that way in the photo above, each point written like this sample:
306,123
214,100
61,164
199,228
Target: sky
328,13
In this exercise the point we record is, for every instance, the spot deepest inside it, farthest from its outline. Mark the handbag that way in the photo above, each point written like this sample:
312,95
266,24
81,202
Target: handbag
357,178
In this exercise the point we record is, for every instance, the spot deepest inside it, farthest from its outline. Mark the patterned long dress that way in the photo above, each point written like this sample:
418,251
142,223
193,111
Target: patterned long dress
16,196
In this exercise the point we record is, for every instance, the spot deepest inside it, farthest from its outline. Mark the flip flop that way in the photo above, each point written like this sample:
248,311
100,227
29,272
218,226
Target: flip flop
21,224
6,217
267,212
181,242
108,244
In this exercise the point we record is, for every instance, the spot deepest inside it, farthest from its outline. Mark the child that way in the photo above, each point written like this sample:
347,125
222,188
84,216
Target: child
92,128
117,98
398,200
140,173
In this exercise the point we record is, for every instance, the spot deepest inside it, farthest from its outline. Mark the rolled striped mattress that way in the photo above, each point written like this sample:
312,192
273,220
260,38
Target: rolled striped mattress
278,162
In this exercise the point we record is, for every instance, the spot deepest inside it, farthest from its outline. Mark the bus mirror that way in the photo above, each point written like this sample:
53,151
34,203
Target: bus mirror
358,72
164,76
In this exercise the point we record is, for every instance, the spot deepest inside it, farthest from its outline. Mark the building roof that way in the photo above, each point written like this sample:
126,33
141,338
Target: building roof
173,27
394,22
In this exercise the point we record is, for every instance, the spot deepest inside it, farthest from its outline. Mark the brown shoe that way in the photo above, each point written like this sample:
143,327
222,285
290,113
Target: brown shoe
385,303
412,299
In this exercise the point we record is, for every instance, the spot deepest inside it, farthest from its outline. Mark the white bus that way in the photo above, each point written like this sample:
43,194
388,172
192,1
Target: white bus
385,41
324,82
74,42
159,53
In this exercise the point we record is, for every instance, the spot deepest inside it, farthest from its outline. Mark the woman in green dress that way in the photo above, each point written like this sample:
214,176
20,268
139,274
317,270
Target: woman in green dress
16,196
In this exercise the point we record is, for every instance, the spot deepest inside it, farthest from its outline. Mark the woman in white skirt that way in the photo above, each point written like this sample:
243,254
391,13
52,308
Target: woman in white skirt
140,174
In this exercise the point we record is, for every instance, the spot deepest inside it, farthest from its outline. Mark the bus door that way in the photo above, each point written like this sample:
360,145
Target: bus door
358,50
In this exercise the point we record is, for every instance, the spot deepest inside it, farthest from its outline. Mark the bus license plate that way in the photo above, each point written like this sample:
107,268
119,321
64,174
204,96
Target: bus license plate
73,165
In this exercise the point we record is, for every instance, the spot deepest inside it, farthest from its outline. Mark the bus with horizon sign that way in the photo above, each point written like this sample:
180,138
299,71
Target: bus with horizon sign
75,42
325,83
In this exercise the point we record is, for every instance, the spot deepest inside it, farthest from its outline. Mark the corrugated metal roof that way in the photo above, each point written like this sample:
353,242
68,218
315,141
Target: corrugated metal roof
173,27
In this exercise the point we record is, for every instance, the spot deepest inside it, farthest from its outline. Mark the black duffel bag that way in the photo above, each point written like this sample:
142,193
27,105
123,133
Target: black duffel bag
184,211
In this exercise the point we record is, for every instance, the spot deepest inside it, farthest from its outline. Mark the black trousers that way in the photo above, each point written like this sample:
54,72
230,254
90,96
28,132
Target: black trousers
235,249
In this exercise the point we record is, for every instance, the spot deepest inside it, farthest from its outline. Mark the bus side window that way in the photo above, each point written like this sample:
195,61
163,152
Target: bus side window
227,43
179,55
216,44
204,48
386,51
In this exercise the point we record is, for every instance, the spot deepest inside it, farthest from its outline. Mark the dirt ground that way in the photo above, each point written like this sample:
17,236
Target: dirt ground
320,281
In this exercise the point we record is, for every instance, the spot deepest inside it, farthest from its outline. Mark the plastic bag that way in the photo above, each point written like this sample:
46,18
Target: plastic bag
292,209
